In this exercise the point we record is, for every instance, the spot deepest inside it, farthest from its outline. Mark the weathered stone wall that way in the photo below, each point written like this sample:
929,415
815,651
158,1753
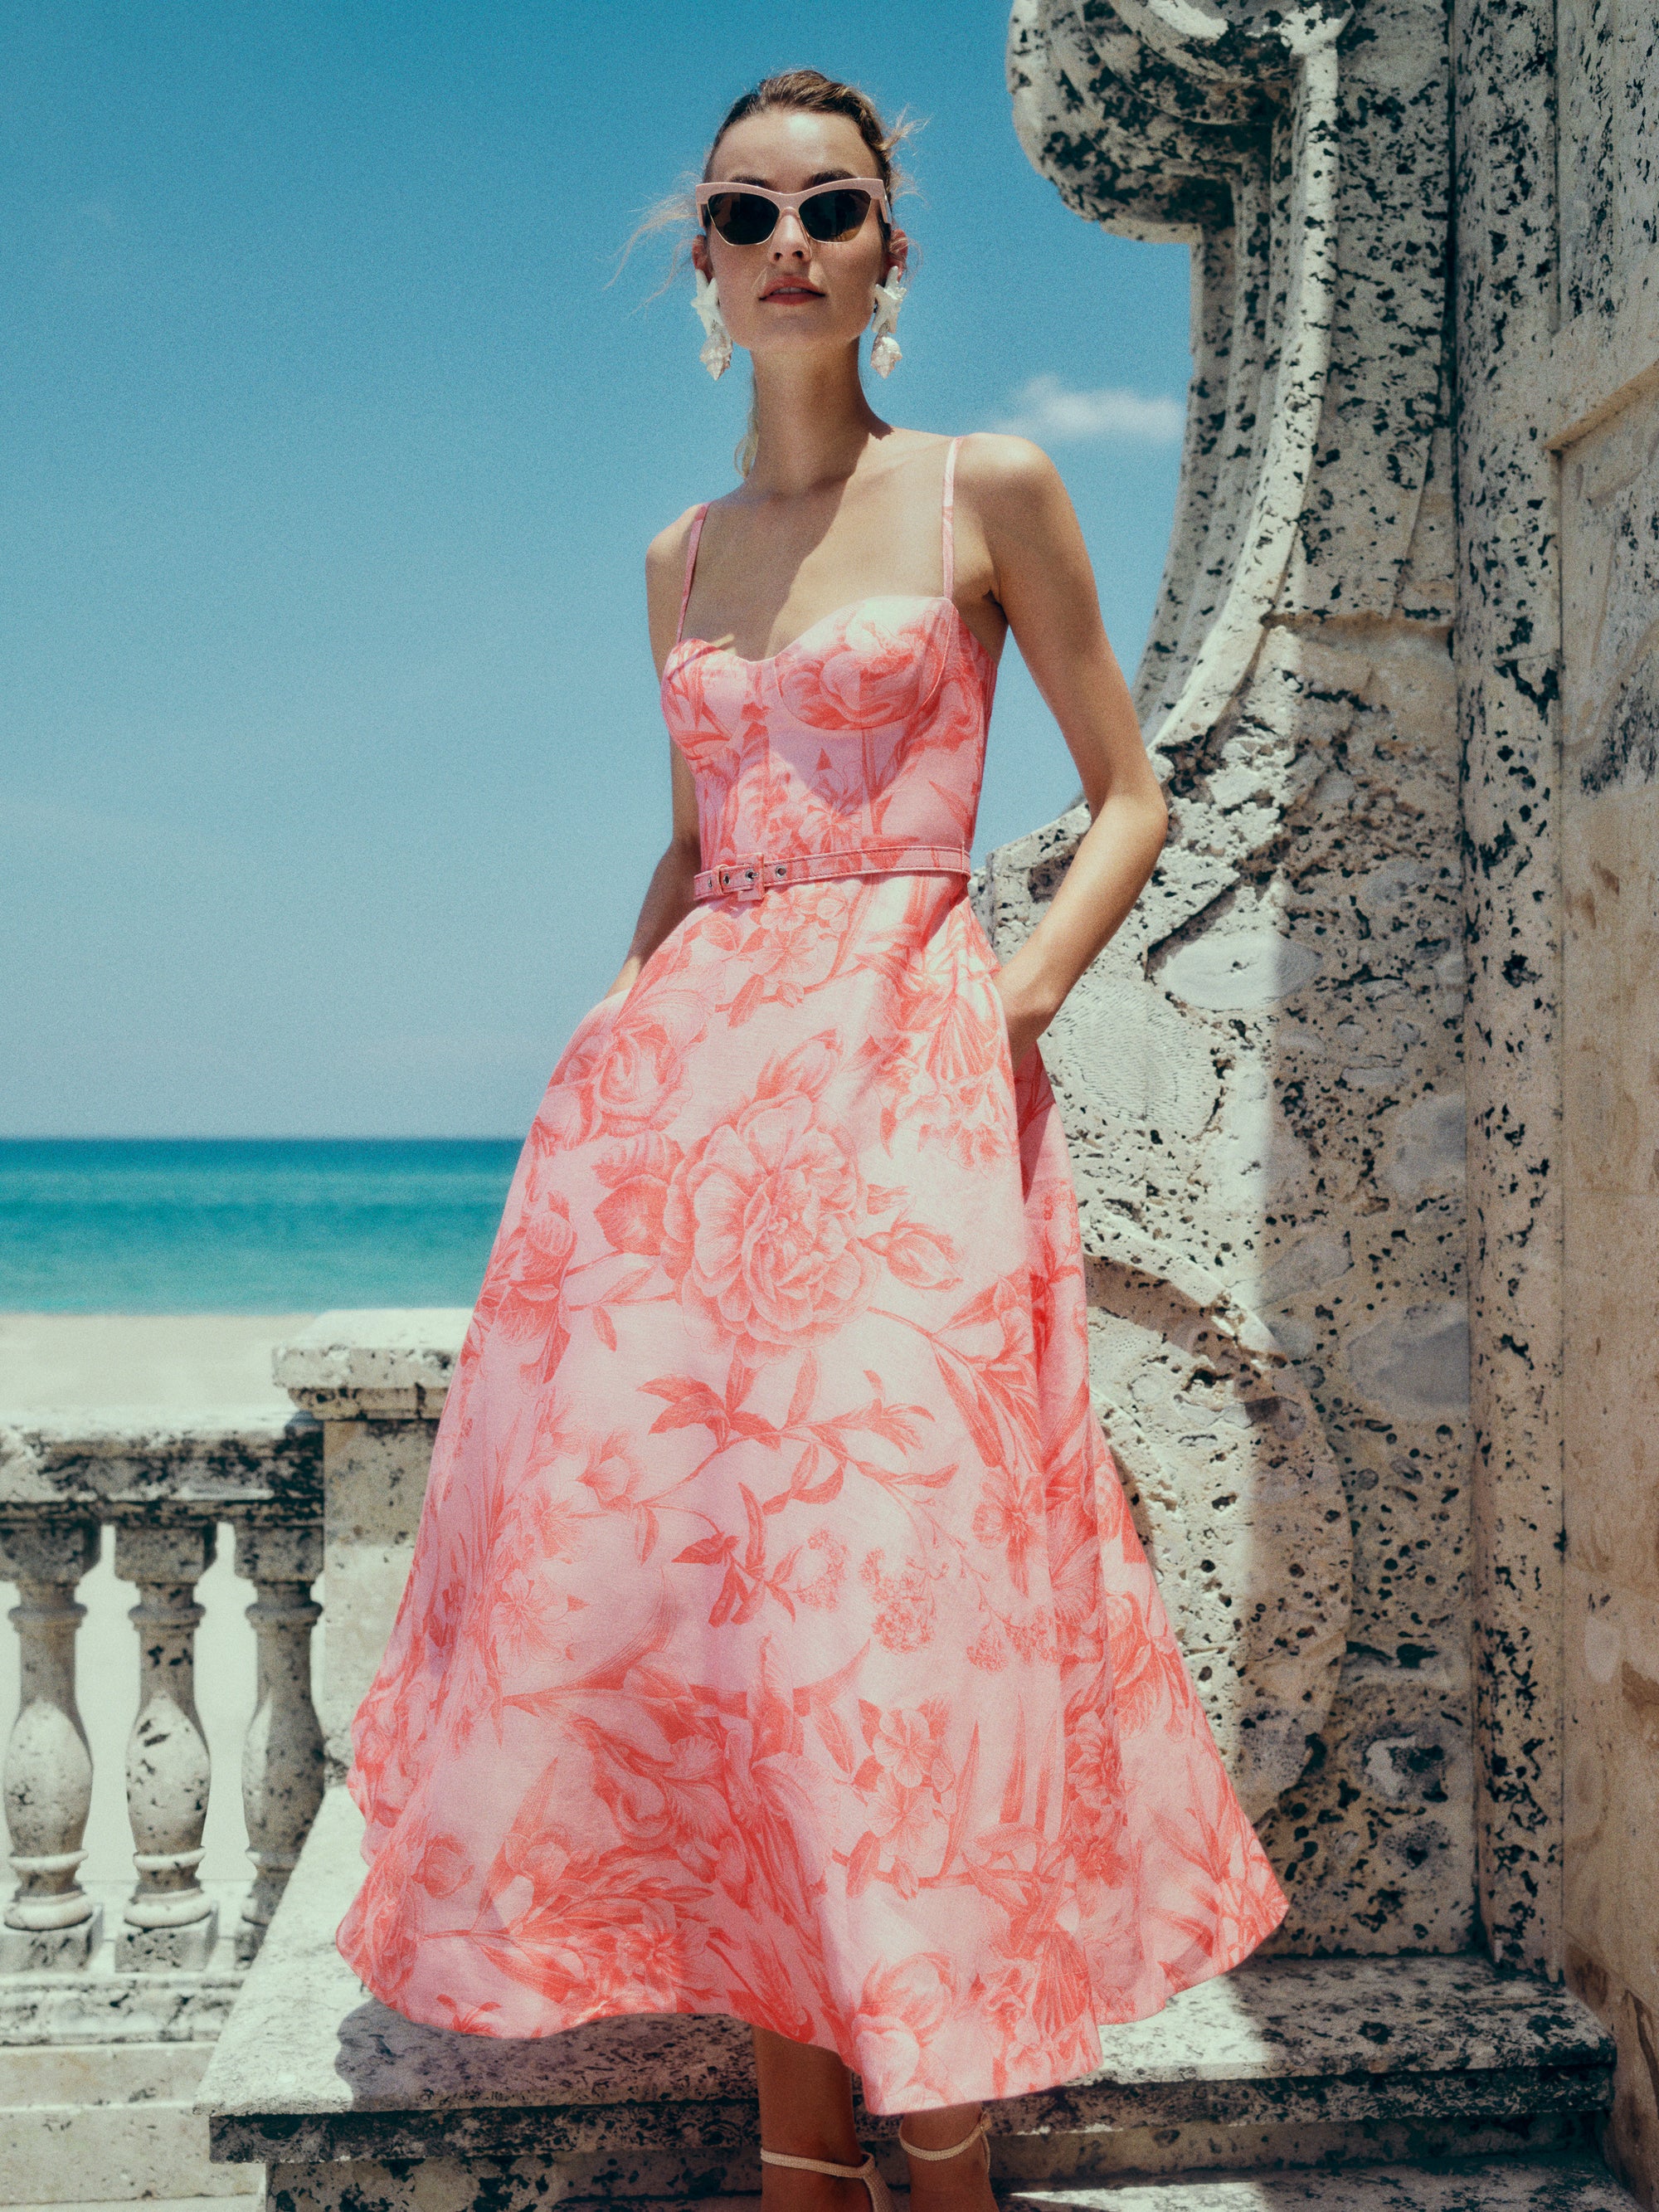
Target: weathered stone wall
1610,558
1508,661
1606,362
1260,1078
1559,528
1608,98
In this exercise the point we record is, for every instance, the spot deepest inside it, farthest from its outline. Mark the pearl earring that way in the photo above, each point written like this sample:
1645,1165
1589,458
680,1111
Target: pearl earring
715,353
890,298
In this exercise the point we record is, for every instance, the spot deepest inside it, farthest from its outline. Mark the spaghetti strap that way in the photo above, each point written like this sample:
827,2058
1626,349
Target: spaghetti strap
690,567
948,521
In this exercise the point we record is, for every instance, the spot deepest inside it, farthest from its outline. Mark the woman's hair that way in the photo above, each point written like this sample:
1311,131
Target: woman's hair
801,91
809,92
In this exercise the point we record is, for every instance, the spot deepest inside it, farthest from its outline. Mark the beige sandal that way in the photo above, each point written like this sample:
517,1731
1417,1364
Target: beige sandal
880,2196
979,2133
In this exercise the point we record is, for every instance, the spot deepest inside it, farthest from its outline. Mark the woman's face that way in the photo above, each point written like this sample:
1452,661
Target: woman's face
791,291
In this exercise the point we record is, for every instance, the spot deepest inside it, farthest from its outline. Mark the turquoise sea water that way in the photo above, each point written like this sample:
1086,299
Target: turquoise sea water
247,1225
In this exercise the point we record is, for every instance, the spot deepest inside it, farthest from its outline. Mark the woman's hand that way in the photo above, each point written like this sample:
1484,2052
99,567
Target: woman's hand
1026,1011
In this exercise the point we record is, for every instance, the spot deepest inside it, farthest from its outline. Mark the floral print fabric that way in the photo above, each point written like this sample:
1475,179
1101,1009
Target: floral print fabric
778,1643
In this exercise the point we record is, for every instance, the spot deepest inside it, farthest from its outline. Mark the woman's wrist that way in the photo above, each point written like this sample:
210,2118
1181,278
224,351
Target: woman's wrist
1028,990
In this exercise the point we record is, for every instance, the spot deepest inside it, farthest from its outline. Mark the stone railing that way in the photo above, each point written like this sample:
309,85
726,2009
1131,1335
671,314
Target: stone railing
368,1390
165,1490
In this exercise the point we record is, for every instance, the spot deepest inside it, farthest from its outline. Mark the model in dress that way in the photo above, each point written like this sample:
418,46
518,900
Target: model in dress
777,1642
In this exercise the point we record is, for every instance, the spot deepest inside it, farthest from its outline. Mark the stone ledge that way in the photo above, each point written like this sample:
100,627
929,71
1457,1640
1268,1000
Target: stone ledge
310,2070
215,2203
391,1363
1567,2186
1578,2186
1581,2184
251,1460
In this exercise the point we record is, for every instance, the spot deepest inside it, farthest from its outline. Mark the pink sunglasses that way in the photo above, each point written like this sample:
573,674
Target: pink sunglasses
747,215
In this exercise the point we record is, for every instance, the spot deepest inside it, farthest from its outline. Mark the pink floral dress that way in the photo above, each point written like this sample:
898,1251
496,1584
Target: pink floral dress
777,1642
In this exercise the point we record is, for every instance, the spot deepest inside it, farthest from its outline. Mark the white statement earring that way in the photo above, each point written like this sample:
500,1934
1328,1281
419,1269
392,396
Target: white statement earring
890,298
715,353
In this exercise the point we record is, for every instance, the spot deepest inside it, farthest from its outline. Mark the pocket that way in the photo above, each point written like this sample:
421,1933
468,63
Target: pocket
1004,1043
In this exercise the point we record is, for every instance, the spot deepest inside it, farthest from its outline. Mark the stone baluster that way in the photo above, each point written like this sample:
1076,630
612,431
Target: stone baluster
169,1921
51,1921
282,1756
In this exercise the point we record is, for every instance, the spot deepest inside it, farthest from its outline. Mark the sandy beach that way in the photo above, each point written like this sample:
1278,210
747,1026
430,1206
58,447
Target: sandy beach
70,1363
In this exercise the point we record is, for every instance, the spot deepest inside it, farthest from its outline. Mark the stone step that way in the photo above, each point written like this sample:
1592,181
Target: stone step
1579,2185
124,2204
1286,2061
107,2123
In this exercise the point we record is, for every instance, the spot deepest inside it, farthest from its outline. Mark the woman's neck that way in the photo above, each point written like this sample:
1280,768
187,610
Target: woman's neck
815,422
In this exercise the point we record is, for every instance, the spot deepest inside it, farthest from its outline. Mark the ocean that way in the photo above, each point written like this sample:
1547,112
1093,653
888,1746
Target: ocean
247,1225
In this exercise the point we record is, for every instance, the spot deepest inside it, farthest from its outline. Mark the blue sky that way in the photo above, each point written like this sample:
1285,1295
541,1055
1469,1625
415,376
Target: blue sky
331,770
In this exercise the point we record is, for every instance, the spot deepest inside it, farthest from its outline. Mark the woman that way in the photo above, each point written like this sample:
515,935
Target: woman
777,1642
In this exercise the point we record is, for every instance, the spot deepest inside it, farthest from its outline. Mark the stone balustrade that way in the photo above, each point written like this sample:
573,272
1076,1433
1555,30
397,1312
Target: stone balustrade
166,1490
367,1390
106,2031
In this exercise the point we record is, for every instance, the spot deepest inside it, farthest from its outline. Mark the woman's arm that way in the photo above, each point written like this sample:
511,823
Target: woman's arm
1037,570
668,898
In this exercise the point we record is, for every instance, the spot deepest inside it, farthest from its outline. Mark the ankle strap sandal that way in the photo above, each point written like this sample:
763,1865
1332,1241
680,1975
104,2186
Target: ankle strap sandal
979,2133
880,2196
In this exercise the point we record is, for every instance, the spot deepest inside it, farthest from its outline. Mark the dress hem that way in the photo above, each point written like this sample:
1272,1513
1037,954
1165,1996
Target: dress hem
968,2092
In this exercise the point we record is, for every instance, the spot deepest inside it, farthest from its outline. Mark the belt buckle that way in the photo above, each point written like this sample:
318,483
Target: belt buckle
751,879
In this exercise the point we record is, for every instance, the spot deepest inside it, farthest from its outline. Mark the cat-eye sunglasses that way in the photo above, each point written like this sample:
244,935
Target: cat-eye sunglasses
747,215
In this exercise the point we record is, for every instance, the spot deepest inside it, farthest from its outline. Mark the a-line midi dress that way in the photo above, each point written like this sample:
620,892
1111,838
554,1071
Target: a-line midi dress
777,1642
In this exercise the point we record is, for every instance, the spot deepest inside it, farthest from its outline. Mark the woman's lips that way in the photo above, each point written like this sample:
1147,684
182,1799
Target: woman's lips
792,291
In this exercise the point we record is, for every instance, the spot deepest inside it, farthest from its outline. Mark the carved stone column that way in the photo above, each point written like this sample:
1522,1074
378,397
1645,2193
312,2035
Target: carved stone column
1261,1073
51,1921
1260,1076
282,1756
169,1921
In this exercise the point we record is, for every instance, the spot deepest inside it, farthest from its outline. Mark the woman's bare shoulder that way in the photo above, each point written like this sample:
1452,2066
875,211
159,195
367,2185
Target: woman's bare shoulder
665,554
1001,468
1010,495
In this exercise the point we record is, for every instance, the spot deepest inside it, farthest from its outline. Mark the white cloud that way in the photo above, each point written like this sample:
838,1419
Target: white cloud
1046,410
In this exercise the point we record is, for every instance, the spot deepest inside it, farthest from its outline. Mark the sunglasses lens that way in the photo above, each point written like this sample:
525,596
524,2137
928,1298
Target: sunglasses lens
742,218
837,214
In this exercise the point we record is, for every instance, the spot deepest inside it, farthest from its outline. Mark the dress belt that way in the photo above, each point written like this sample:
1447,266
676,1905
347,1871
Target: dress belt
751,879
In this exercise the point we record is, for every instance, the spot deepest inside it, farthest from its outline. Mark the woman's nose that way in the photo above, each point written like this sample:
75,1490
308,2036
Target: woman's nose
790,235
